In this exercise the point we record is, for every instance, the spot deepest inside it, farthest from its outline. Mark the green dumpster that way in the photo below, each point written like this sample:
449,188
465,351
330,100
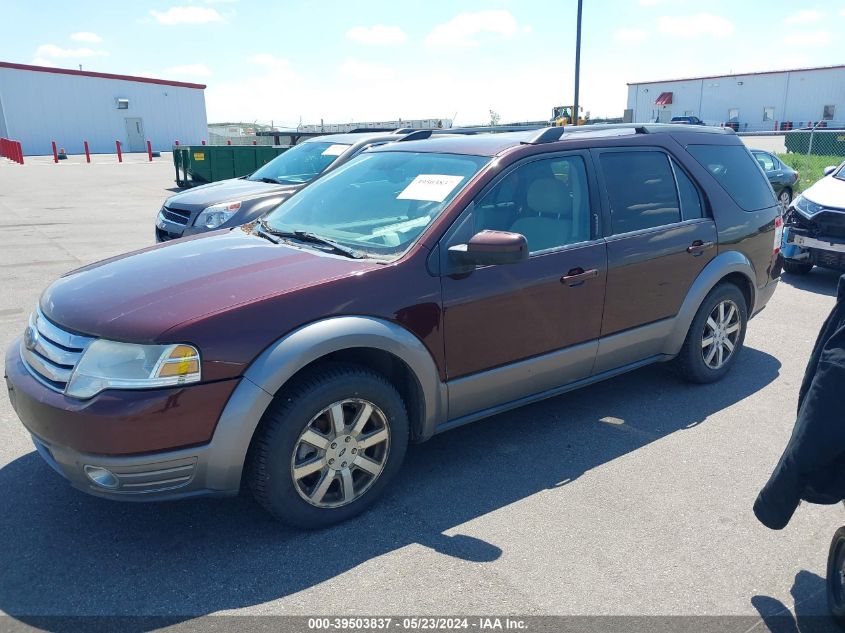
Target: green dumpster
825,142
201,164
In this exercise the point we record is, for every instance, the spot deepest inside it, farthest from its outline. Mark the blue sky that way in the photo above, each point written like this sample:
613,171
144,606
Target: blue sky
291,60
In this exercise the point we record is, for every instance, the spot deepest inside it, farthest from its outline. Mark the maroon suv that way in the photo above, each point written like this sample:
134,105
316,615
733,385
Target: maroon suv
421,286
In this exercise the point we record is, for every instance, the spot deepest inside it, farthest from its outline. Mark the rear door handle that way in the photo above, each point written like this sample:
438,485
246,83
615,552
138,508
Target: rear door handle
698,247
578,276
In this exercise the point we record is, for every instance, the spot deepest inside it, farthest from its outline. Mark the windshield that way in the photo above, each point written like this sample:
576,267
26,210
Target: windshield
301,163
840,173
378,203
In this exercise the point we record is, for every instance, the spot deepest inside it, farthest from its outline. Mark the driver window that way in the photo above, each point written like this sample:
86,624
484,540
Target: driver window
547,201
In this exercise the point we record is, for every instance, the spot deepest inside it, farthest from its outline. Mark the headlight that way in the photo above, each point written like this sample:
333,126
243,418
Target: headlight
112,365
806,207
215,215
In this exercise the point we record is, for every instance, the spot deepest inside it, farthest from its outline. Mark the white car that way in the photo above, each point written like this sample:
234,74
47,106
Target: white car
814,226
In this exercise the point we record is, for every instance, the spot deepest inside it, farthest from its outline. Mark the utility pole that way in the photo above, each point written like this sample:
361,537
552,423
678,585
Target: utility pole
577,65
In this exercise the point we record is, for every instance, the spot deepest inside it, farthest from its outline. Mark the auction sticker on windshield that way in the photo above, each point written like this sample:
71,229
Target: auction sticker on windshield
430,187
335,150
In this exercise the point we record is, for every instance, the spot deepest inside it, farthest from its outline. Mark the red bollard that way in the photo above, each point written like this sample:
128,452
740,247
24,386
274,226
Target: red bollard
87,152
255,142
20,152
55,153
150,151
119,153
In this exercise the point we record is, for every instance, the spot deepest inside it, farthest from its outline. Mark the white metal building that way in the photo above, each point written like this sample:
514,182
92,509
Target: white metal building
751,101
39,105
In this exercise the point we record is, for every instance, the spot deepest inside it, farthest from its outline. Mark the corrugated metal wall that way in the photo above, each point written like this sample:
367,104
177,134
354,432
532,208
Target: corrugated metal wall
797,96
40,107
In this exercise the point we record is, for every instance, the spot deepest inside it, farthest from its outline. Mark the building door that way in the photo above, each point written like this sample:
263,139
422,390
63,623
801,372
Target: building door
135,134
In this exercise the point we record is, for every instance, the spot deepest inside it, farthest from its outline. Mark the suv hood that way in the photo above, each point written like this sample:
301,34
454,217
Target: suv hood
828,192
137,297
227,191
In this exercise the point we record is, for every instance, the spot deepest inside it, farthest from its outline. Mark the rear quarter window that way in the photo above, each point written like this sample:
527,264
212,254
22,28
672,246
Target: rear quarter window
736,170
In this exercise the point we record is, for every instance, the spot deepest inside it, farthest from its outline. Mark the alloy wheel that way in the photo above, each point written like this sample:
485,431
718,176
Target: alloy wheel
341,453
784,199
721,332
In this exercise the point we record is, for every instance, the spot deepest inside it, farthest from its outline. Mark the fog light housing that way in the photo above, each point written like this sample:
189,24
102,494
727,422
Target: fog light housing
102,477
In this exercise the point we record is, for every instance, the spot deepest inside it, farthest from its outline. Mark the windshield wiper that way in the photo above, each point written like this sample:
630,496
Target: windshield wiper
305,236
272,181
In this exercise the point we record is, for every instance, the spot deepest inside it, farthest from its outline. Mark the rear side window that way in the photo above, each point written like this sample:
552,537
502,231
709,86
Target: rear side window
734,168
642,190
691,207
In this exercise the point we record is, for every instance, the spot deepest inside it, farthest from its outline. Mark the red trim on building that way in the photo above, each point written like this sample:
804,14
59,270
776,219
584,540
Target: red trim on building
665,98
88,73
763,72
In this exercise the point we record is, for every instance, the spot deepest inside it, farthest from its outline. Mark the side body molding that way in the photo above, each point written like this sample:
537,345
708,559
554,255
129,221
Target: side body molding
723,264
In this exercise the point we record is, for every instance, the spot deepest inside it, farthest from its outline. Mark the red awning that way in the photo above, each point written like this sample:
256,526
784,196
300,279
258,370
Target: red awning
665,98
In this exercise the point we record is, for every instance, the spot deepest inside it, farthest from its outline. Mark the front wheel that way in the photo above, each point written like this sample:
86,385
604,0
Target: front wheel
328,446
797,268
836,576
715,337
784,199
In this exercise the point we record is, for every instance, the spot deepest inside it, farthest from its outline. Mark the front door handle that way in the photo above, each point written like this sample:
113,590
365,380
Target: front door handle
698,247
578,276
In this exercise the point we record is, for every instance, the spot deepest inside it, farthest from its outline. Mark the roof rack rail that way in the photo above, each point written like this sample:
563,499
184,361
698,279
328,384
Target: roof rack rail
415,135
547,135
486,129
404,130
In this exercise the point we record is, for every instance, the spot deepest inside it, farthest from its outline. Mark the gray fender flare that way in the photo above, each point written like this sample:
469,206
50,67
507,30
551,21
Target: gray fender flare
723,264
282,359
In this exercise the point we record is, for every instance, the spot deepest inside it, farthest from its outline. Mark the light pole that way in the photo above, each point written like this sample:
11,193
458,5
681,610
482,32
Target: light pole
577,65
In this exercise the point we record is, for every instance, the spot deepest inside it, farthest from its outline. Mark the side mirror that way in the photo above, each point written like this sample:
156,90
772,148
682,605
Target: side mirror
491,247
829,170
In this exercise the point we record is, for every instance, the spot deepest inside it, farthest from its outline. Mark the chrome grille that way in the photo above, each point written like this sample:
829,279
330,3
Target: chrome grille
51,353
179,216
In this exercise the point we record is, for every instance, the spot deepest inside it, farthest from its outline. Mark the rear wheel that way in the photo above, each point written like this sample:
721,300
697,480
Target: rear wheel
836,576
329,446
797,268
715,337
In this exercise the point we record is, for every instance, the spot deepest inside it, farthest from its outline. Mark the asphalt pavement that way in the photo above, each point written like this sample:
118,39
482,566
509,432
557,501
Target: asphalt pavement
628,497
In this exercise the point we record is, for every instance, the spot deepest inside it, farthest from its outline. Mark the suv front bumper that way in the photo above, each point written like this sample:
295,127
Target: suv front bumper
131,435
799,246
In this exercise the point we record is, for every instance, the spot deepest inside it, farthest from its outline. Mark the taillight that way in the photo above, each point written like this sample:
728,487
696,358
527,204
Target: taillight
778,233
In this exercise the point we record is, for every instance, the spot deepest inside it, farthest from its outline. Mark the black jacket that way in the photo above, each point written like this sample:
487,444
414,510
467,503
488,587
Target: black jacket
812,466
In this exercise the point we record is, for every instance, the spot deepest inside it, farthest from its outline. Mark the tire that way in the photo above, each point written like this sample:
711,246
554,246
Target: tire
784,198
692,362
836,577
309,407
797,268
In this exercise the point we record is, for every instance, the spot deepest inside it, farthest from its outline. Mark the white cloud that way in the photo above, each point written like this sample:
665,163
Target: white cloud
40,61
650,3
378,35
86,36
364,71
51,51
271,63
807,38
807,16
192,70
631,36
187,15
696,25
462,30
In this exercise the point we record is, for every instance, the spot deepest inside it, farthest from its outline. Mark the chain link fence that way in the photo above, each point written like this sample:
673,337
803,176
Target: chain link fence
810,151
